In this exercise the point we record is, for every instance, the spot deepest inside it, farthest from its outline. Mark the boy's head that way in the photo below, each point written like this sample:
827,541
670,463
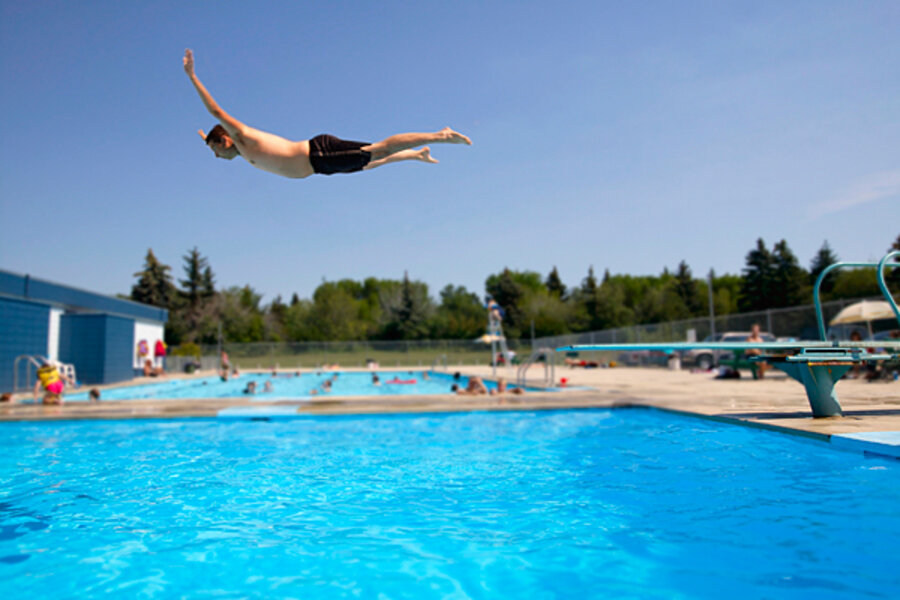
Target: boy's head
221,143
94,394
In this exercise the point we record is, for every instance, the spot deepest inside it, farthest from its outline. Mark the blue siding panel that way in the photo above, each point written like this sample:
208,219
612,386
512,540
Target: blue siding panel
98,345
119,349
24,327
81,338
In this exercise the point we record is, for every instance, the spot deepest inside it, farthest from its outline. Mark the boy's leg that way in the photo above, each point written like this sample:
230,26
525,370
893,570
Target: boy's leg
423,155
405,141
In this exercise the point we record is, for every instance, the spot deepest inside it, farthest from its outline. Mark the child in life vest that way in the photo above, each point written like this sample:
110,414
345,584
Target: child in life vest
53,383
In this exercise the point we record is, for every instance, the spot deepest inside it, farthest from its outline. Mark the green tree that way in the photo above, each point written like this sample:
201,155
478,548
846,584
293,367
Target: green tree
855,283
685,287
461,315
208,287
154,285
242,319
193,285
408,314
758,274
790,282
555,285
823,259
275,315
334,315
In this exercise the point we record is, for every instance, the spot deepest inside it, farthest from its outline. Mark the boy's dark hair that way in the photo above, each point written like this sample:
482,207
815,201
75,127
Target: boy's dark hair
6,397
215,135
94,394
454,388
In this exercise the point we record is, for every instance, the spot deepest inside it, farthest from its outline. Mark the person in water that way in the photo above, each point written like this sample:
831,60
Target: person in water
323,154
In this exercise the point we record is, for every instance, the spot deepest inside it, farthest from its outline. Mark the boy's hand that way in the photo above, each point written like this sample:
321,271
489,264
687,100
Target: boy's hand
188,62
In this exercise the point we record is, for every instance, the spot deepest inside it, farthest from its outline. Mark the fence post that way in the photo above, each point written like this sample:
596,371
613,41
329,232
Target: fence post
769,320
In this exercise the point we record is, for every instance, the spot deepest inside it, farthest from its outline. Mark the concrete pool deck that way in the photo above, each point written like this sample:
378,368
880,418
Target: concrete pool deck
870,409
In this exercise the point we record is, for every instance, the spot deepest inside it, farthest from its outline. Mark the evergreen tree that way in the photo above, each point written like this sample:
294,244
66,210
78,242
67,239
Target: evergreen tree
408,314
555,285
208,287
193,286
589,284
295,299
154,285
824,258
589,301
756,285
686,288
790,282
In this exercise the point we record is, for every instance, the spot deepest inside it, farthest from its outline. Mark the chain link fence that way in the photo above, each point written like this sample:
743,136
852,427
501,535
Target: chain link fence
437,354
797,322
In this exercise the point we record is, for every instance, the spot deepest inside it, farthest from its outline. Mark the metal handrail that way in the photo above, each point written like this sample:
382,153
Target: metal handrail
31,359
882,284
820,319
549,366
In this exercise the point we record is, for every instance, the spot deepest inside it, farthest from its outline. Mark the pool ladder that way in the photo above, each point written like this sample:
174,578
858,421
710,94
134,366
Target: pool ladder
549,356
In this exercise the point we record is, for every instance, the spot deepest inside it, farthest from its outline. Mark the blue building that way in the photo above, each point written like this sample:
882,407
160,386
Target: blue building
97,334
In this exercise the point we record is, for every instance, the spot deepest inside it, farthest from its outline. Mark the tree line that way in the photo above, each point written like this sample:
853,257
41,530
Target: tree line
388,309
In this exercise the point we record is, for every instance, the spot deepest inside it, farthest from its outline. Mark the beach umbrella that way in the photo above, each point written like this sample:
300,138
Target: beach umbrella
488,338
864,312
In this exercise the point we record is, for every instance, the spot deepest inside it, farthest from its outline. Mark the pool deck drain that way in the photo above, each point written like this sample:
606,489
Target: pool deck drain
871,421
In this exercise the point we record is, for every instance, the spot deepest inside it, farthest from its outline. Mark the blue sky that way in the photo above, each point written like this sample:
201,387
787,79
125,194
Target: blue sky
626,136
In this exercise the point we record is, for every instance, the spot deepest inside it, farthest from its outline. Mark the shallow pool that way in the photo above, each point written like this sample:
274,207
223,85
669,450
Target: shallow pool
564,504
288,385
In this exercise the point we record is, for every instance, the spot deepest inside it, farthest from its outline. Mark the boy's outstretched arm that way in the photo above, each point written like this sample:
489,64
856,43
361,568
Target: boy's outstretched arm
234,127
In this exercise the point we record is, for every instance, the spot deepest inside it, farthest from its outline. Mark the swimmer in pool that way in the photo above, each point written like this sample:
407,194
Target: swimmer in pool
323,154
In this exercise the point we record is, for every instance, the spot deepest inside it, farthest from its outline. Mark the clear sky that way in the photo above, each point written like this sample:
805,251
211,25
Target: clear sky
626,136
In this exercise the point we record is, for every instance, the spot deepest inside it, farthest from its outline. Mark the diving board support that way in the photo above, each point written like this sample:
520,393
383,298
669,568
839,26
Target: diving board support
819,382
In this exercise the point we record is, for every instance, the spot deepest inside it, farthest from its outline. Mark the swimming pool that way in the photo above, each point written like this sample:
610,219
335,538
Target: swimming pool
288,386
631,503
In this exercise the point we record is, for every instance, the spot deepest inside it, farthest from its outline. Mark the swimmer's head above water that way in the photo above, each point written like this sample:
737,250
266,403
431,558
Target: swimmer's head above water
220,142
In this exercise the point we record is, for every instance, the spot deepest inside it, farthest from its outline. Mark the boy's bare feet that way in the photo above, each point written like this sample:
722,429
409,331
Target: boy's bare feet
454,137
425,155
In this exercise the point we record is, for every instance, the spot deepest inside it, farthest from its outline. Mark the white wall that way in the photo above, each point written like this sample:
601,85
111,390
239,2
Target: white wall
53,334
146,330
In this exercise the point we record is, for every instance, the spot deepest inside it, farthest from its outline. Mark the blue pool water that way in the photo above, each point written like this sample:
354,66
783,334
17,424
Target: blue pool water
286,386
568,504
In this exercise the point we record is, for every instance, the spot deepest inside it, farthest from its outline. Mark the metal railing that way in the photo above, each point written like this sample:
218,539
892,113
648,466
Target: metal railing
547,356
798,322
296,355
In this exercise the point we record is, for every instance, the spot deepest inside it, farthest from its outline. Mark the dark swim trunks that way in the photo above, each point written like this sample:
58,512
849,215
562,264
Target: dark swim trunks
330,155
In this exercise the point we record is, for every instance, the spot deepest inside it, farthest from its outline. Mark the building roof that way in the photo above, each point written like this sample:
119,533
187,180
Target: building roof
26,287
